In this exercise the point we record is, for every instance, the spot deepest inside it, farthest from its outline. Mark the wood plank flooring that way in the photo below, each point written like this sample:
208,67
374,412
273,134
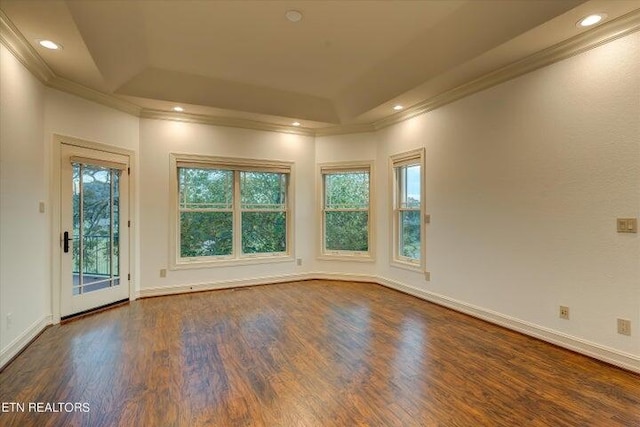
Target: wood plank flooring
317,353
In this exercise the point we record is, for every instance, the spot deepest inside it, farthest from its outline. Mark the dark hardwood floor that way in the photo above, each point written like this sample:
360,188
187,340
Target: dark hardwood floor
315,353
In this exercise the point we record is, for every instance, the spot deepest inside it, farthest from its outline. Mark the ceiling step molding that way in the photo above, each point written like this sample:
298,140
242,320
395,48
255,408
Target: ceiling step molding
224,121
21,49
345,129
106,99
11,37
598,36
627,24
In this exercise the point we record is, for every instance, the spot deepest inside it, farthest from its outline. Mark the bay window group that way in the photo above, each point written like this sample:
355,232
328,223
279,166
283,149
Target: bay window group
230,210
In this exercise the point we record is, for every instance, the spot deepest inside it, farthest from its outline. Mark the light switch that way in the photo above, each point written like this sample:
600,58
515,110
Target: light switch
627,225
622,225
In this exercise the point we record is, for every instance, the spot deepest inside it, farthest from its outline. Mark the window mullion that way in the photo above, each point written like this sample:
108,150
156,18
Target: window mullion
264,210
346,210
237,216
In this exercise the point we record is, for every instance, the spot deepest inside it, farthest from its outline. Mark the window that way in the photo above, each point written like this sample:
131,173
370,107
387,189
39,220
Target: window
230,210
346,214
206,212
264,212
407,215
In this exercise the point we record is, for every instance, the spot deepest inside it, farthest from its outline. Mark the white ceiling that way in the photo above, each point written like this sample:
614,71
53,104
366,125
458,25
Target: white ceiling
344,63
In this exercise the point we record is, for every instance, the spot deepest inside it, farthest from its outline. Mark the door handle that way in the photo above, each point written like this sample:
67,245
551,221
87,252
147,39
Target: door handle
65,241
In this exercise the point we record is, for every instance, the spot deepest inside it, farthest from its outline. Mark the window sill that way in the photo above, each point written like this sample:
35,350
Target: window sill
362,257
231,262
418,268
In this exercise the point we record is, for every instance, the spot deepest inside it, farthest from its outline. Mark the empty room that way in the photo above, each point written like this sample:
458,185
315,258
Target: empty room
319,213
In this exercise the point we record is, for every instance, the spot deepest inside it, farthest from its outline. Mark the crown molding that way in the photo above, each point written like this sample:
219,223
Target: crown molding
20,47
588,40
11,37
345,129
87,93
224,121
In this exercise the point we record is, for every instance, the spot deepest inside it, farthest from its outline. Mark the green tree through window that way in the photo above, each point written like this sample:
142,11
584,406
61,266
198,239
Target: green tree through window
96,204
229,213
409,211
206,212
346,210
407,207
263,212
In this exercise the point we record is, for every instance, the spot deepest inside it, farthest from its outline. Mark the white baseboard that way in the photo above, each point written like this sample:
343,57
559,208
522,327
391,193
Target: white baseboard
596,351
321,275
255,281
22,340
223,284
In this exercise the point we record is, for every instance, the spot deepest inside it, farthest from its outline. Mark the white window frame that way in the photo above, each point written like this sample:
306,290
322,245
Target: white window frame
341,167
178,160
413,157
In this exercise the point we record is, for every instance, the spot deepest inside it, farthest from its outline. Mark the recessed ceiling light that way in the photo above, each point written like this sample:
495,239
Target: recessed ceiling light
398,107
293,15
178,109
295,124
50,44
590,20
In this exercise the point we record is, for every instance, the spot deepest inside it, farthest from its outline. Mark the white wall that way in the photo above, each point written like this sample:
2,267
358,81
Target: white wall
24,243
160,138
524,183
69,115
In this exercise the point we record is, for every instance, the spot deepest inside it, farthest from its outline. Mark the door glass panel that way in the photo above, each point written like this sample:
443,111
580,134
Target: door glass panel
96,226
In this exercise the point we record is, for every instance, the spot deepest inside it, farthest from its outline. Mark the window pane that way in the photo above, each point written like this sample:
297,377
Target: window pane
347,231
410,234
76,220
206,233
205,188
409,181
96,222
348,190
264,232
262,190
97,262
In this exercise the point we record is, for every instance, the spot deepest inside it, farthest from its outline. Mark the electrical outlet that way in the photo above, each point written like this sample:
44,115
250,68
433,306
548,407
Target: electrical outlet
163,272
564,312
624,327
299,261
9,320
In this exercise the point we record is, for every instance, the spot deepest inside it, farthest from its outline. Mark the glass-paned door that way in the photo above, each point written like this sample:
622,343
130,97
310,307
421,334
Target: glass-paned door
94,229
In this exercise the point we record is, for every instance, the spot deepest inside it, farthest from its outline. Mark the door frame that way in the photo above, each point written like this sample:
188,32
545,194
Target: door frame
55,203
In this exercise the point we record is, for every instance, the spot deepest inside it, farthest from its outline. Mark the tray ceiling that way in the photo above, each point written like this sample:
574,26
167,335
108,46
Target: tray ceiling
345,63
